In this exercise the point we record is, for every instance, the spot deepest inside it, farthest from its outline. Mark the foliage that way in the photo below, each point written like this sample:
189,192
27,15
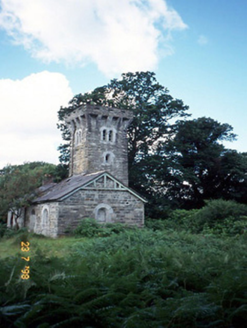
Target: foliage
203,168
227,227
218,217
155,112
173,162
10,233
222,217
91,228
178,220
3,228
219,209
18,184
139,278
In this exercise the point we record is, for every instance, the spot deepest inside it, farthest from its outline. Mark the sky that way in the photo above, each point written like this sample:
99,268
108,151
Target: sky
51,50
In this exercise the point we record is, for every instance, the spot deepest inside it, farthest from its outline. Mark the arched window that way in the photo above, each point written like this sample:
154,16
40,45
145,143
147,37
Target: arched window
108,158
108,134
45,220
103,135
103,213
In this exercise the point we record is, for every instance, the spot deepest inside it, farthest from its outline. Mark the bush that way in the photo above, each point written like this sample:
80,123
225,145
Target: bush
219,209
23,235
219,217
222,217
91,228
9,233
3,228
228,227
184,220
178,220
155,224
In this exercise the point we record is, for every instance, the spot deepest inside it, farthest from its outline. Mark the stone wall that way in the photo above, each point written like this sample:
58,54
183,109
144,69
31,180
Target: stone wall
37,222
88,146
120,206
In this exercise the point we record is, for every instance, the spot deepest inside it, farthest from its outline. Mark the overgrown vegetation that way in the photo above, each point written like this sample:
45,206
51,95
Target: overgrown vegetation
217,217
91,228
136,278
112,276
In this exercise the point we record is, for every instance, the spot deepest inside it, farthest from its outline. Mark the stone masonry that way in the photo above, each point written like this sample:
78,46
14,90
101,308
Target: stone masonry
98,183
99,141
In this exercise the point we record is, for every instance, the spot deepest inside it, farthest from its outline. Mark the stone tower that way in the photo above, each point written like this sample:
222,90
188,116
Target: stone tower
99,140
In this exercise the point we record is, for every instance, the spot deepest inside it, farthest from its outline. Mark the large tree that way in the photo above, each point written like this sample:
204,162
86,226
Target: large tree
155,114
203,168
173,161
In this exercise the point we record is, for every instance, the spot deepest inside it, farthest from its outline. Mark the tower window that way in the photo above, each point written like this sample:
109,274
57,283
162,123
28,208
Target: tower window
108,158
110,135
104,135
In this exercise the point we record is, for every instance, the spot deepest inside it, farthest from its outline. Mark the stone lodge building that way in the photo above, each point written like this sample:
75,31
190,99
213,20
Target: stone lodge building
97,186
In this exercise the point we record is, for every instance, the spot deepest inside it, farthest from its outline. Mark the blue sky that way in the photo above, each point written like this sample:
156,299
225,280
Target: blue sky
51,50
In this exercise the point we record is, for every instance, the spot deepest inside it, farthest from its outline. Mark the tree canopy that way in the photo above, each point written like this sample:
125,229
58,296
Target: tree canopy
173,161
153,107
203,167
18,184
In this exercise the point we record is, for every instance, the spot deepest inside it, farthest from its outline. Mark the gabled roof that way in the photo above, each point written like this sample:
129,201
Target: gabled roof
65,187
69,186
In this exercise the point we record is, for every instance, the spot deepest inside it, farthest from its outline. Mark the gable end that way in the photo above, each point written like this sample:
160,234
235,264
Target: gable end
104,182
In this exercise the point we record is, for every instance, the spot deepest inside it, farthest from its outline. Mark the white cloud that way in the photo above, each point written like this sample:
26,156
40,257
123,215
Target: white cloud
202,40
29,109
117,35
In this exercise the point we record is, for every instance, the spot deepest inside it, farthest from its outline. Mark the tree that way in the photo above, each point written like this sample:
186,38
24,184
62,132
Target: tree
18,184
154,123
203,168
173,162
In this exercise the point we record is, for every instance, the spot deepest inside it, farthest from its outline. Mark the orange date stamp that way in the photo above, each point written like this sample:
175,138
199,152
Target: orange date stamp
25,247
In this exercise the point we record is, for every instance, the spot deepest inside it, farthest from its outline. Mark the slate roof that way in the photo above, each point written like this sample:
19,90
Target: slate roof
54,192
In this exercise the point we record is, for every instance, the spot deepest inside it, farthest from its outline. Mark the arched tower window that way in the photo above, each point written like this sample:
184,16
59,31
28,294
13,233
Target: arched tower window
103,135
108,134
108,158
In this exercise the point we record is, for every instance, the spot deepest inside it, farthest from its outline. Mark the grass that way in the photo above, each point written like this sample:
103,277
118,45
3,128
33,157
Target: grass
59,247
